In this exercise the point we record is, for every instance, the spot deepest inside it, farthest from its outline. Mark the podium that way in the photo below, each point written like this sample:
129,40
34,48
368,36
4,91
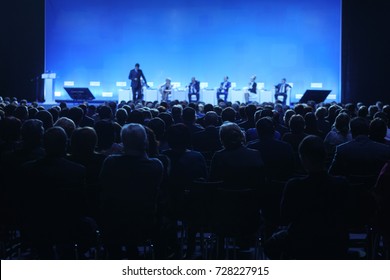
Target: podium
48,88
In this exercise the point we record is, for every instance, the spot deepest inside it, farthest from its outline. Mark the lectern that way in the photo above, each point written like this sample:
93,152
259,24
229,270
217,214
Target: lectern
48,88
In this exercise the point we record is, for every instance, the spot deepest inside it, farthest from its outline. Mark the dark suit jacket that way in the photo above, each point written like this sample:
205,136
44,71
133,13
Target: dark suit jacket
253,89
361,156
315,209
224,89
278,87
129,188
207,140
238,168
196,86
277,155
135,77
58,197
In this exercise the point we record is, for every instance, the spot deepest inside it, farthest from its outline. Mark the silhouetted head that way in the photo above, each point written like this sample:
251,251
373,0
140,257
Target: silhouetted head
231,135
46,118
134,139
83,141
265,128
136,116
378,130
178,137
152,149
359,126
105,112
55,142
32,133
76,114
211,118
342,123
297,124
158,127
67,124
121,116
363,111
105,131
177,111
189,115
228,115
167,118
21,112
312,153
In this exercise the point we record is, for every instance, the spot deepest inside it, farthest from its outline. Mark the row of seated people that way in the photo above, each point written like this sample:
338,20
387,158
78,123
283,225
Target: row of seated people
135,174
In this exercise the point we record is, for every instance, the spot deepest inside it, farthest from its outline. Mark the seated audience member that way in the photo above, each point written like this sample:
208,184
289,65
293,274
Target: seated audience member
21,112
106,133
9,134
228,115
360,156
314,209
338,135
130,183
250,111
10,168
186,165
54,207
297,134
83,143
311,126
121,116
322,124
177,113
207,141
76,114
277,156
378,130
46,118
67,124
158,127
189,118
87,120
236,165
167,118
382,195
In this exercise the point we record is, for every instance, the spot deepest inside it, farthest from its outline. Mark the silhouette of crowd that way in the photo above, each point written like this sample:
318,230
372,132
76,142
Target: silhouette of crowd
183,179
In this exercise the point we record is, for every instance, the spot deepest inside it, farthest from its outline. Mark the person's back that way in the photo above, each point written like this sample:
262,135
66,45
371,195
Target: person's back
130,182
277,155
314,208
360,156
54,206
208,139
186,165
236,165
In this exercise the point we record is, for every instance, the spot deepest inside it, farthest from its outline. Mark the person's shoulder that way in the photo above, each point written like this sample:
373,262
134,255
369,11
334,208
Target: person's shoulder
255,144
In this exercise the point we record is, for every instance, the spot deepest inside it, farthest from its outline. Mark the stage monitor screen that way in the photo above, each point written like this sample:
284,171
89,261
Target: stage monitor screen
95,43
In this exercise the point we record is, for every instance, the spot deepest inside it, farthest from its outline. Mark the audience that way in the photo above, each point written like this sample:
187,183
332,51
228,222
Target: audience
235,158
125,170
314,209
361,156
130,183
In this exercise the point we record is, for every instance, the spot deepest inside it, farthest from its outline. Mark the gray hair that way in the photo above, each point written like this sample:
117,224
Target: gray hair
134,138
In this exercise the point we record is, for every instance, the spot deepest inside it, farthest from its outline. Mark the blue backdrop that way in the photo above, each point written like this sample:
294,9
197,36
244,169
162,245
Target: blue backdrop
100,40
